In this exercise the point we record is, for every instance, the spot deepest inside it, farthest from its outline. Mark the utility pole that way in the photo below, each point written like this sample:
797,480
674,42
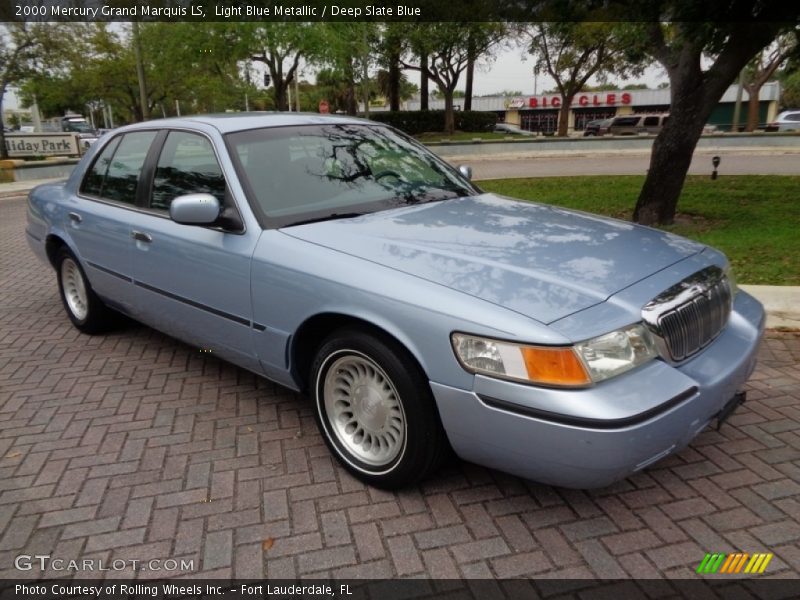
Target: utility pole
137,49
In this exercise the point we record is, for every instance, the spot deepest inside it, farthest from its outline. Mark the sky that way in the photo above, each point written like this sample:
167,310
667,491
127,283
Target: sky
513,70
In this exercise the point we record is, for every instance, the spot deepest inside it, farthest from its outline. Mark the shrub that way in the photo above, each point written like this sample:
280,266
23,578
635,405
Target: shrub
414,122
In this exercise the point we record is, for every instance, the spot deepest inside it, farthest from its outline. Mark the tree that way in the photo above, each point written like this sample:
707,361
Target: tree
392,46
761,69
281,46
728,38
573,52
790,87
350,51
18,47
448,47
98,68
405,88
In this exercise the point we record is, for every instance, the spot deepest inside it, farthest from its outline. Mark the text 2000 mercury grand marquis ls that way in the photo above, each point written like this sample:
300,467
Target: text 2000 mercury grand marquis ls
338,257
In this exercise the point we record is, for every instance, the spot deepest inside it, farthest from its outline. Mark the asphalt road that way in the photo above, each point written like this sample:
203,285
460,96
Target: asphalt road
507,167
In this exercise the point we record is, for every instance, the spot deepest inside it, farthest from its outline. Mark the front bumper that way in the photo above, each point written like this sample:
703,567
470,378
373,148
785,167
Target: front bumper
602,438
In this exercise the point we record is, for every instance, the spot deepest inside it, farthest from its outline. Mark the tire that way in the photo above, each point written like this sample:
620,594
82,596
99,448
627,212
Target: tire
86,311
375,409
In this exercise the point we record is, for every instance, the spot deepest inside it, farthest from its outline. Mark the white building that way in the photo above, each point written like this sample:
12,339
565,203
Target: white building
540,112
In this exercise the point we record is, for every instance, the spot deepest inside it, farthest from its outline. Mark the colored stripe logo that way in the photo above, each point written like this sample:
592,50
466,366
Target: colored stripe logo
738,562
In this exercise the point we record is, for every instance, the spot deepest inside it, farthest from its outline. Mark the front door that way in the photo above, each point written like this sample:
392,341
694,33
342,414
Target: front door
194,281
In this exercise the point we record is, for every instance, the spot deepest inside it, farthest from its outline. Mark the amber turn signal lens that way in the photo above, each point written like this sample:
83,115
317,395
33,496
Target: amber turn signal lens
554,366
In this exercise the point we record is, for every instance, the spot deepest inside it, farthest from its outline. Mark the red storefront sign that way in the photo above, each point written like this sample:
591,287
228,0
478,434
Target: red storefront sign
587,100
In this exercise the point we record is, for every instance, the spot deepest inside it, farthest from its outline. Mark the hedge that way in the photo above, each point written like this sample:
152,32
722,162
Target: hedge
421,121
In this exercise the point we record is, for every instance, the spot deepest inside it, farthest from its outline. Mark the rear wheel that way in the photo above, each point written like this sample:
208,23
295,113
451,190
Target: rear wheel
375,409
86,311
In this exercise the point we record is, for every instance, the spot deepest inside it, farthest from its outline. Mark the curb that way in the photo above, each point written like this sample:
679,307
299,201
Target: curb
782,303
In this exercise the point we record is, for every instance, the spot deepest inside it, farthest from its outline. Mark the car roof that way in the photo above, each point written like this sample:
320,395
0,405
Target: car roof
229,122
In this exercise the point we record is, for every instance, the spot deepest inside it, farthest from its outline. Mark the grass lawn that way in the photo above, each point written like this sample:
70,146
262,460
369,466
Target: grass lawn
754,219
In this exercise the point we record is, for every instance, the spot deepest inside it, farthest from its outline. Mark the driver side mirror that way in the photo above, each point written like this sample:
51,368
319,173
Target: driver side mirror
194,209
466,171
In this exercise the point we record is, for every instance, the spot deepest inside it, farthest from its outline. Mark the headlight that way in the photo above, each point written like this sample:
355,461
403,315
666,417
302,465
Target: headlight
545,365
567,366
616,352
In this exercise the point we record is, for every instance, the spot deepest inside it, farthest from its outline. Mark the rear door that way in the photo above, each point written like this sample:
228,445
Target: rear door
98,220
194,281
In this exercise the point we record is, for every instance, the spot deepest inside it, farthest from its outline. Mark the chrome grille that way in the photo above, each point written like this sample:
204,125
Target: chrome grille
688,316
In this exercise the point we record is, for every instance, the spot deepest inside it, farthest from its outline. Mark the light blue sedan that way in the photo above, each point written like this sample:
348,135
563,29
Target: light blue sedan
340,258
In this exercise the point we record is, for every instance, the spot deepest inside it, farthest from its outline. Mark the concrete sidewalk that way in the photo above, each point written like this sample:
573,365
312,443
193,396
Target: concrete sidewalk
781,302
21,188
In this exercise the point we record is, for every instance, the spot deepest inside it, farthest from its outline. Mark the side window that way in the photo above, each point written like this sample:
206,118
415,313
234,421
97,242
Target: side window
651,121
123,172
93,181
625,121
187,165
793,116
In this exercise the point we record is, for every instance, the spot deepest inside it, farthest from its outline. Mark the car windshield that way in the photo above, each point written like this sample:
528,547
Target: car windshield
78,126
307,173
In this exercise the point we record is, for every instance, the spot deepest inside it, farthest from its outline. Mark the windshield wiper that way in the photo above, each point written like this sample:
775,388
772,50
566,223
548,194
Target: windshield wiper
434,195
331,217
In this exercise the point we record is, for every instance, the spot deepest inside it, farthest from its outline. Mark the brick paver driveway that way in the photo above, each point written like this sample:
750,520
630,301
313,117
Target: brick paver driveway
136,446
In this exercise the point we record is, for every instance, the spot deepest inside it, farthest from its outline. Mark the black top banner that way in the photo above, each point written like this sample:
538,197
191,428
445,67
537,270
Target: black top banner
399,10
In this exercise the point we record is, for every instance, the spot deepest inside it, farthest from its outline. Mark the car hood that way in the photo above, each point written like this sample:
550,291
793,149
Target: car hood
538,260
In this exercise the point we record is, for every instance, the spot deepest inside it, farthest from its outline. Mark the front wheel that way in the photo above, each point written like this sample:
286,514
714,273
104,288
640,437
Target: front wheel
375,409
86,311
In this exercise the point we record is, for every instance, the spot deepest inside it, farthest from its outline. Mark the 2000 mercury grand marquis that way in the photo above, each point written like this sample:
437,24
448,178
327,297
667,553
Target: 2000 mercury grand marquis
339,257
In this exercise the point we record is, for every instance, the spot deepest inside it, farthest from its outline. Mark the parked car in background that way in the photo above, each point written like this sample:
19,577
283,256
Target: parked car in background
788,120
73,123
637,124
340,258
597,127
511,129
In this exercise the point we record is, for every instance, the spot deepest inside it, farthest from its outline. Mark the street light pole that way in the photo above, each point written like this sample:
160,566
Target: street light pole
137,50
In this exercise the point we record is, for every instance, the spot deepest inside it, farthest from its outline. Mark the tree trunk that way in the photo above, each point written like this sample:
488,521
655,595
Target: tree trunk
669,162
394,81
279,92
563,116
3,149
351,105
365,86
423,82
449,113
470,75
752,106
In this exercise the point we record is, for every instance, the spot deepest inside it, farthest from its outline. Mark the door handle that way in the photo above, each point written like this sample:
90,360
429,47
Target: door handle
75,217
140,236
